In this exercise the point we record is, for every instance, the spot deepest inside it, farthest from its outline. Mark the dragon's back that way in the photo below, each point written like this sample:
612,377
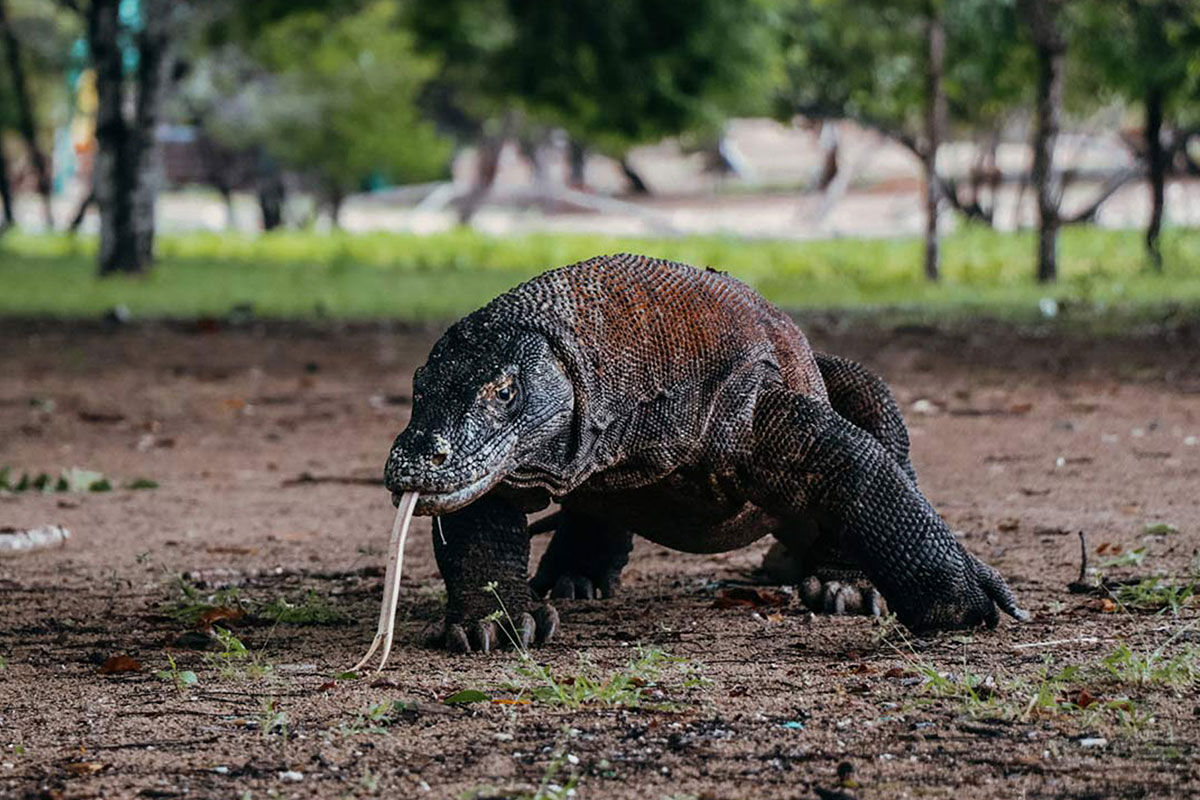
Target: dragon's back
641,325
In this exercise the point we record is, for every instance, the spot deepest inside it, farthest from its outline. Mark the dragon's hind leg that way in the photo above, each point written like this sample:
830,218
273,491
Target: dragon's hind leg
584,559
806,460
811,554
862,397
808,554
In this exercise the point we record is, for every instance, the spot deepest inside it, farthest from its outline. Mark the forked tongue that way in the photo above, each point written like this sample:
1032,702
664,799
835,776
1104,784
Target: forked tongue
391,581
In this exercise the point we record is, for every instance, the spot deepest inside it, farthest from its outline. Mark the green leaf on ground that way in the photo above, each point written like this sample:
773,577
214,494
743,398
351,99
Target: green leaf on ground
466,696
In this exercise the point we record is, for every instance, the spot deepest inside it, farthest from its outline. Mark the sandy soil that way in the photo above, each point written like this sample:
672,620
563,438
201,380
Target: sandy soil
1020,441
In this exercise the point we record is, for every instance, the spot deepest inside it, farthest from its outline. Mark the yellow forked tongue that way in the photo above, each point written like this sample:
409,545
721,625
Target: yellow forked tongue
391,581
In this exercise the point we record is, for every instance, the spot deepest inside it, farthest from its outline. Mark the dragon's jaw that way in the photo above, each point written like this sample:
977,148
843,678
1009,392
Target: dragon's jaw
435,503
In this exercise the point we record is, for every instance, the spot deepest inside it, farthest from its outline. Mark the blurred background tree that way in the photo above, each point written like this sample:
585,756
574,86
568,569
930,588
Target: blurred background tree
332,98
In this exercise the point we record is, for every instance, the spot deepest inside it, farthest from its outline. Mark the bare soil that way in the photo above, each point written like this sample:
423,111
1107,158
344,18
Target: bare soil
1021,440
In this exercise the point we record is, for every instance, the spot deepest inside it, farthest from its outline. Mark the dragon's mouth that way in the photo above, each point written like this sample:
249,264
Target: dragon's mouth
432,503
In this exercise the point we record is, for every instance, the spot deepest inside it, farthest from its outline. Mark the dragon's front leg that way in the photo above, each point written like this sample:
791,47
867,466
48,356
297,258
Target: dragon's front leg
484,561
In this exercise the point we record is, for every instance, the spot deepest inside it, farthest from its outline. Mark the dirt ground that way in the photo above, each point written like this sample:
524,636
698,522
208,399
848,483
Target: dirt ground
1020,440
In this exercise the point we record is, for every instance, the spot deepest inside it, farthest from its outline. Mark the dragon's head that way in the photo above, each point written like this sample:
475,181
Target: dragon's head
488,403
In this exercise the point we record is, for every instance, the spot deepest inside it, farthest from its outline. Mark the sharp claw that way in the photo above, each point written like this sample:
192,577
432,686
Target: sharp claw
483,637
547,622
435,632
584,589
456,640
874,602
810,592
609,587
564,588
527,630
829,597
847,600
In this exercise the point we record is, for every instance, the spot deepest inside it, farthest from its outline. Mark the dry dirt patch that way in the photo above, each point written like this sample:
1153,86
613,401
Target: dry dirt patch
1019,441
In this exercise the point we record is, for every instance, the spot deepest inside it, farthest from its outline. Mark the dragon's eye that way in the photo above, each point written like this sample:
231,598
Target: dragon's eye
506,393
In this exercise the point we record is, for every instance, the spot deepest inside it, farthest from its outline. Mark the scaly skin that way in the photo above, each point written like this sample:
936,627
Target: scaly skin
651,397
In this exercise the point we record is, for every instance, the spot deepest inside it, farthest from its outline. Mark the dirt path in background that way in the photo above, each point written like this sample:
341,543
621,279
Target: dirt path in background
1019,441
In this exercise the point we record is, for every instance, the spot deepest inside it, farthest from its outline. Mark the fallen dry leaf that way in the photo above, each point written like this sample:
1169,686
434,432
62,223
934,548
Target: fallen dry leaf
504,701
122,663
218,614
84,767
1107,606
749,597
327,685
231,550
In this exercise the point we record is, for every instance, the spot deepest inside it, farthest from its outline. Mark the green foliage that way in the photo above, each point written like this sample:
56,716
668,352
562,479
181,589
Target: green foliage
1158,594
235,661
867,61
73,479
613,73
1127,666
311,609
328,93
1124,50
466,697
443,276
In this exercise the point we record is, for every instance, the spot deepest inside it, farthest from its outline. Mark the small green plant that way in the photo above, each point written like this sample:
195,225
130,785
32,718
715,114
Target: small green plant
1159,529
311,609
181,678
72,479
1126,666
191,603
272,719
1157,594
629,686
547,789
1129,558
235,660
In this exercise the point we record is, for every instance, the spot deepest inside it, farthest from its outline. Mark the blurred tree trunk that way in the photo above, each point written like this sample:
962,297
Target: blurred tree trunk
25,117
336,199
81,212
1156,161
487,166
636,184
576,164
154,69
115,162
126,167
6,198
1050,49
935,122
271,192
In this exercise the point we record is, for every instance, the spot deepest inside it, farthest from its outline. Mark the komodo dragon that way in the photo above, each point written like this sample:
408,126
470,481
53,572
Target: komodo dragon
655,398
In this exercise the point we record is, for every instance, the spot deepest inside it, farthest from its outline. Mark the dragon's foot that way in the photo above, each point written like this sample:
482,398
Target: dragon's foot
841,597
495,619
582,587
489,633
583,562
832,590
966,594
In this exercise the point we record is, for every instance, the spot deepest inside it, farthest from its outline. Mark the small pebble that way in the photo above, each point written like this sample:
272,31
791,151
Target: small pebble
1096,741
291,775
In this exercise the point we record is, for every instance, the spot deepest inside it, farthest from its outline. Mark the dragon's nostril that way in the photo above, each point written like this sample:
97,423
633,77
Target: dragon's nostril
438,459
